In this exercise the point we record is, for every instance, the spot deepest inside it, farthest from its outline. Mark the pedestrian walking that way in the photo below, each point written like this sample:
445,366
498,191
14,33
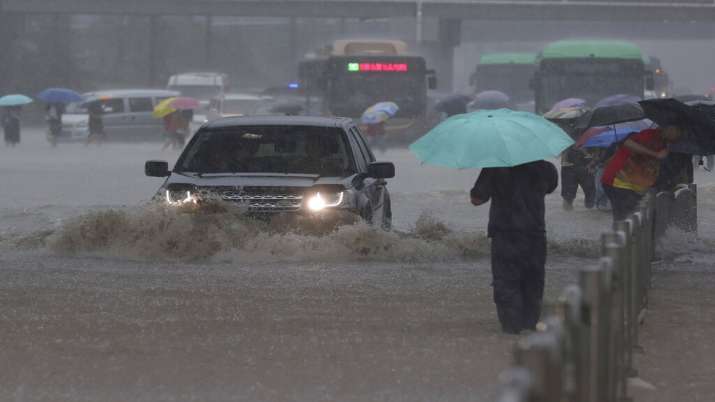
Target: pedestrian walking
53,115
177,127
97,134
11,125
634,168
577,170
518,238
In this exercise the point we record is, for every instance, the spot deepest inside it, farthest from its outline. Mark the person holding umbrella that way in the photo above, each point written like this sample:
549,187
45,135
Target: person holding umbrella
10,119
56,99
635,166
510,147
96,123
576,163
11,125
373,120
177,114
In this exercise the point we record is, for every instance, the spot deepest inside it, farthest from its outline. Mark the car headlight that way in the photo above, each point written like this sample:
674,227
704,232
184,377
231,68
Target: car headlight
179,197
320,201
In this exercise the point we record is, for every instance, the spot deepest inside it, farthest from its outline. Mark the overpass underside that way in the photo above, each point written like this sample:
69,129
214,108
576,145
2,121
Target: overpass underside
579,10
445,25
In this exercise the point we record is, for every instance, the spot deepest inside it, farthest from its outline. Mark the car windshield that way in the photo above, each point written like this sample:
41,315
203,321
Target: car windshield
321,151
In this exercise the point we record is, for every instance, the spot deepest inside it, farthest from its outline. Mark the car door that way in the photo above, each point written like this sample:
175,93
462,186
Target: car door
142,126
114,118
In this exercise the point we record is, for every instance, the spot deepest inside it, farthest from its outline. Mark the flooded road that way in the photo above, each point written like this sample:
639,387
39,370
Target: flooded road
263,318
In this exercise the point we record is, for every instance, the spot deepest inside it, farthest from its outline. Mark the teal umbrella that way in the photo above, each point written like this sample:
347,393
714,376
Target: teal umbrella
15,100
491,138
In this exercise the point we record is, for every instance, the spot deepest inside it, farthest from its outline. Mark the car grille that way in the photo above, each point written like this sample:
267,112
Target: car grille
263,199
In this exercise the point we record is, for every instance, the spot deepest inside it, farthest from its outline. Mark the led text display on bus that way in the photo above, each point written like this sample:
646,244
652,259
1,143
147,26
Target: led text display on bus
378,67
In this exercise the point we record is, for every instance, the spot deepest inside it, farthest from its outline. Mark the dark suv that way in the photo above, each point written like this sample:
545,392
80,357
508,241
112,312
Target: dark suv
279,164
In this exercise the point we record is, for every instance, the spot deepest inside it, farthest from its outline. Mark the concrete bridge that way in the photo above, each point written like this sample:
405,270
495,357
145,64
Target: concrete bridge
688,18
613,10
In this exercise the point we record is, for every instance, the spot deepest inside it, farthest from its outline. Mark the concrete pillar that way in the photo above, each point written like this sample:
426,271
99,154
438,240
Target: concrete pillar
153,50
292,40
208,43
11,26
60,53
449,36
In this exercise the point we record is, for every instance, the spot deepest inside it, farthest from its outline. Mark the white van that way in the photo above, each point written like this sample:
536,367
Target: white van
202,86
127,115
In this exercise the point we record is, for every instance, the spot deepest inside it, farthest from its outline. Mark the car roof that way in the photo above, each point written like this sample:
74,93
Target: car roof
279,121
245,96
118,93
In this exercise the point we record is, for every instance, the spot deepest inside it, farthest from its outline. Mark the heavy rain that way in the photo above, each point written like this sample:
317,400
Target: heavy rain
277,200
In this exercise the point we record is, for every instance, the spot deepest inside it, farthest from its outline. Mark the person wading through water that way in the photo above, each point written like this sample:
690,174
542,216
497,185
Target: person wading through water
518,238
634,168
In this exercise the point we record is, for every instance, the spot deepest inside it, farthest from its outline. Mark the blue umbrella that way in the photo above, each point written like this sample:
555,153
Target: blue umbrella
15,100
59,95
389,108
374,117
617,133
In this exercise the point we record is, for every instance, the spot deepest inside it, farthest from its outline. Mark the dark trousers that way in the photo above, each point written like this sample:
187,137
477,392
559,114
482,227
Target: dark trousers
574,176
518,261
623,202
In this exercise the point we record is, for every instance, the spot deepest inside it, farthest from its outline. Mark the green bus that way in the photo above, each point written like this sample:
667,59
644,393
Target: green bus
506,72
589,69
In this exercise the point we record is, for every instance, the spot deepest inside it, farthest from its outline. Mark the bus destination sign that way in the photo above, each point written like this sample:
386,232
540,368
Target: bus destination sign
378,67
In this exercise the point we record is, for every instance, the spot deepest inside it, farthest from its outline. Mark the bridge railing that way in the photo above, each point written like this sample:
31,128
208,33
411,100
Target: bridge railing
584,351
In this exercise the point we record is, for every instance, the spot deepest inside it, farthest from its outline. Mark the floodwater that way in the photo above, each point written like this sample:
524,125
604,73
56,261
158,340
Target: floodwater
100,299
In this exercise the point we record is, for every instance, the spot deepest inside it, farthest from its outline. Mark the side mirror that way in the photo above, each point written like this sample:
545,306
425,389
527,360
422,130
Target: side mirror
431,79
381,170
156,169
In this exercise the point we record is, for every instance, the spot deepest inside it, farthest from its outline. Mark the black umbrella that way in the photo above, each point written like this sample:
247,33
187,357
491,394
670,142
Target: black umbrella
610,115
453,104
696,119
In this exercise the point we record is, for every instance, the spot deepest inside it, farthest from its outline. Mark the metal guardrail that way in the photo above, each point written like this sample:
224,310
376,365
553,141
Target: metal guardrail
584,352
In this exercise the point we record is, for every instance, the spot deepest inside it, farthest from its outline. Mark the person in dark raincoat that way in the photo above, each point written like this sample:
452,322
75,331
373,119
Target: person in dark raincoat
518,238
577,170
96,123
11,125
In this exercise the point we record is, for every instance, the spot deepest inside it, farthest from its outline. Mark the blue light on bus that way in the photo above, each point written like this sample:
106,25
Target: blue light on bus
294,85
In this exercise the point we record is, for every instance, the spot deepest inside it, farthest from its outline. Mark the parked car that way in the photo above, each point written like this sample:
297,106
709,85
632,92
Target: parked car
127,115
280,164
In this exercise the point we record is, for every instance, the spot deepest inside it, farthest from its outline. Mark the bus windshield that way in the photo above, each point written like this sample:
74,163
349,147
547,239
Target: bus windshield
589,80
512,79
351,94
